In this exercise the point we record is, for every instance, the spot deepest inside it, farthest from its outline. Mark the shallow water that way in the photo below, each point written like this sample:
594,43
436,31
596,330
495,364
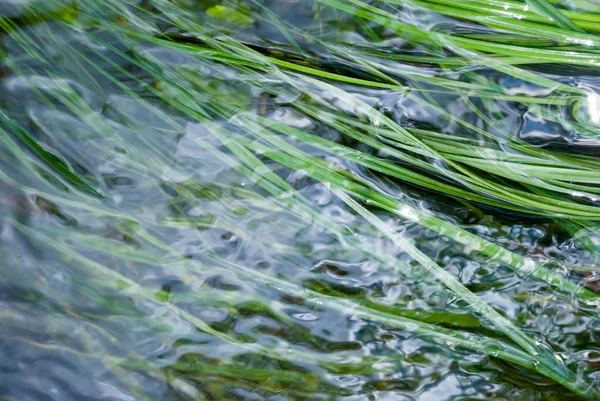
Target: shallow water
170,272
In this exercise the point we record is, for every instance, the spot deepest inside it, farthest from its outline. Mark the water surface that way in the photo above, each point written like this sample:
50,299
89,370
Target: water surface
142,259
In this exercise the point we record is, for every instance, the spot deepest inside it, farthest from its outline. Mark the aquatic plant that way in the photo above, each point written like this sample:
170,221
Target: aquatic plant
188,99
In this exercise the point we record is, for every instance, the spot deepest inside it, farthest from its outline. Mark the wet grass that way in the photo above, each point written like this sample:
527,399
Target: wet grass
116,86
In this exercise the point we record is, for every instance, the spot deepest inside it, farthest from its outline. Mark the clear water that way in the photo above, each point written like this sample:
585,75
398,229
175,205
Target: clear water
185,279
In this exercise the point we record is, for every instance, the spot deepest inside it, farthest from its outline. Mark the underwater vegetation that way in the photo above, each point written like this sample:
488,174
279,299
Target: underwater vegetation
300,200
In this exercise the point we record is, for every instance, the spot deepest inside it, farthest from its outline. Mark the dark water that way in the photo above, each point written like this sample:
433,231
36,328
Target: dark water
187,279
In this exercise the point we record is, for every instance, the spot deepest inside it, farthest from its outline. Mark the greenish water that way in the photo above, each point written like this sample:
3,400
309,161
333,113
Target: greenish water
297,200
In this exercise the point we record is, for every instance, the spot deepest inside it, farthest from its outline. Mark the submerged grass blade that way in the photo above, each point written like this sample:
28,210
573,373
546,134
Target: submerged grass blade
50,158
544,7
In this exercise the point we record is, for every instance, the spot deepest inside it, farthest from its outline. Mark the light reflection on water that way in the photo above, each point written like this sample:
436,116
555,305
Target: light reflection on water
133,296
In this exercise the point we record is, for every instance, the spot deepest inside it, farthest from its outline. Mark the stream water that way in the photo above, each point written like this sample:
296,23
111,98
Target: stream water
149,249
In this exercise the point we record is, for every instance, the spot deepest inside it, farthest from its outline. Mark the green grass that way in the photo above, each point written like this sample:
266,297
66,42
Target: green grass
213,80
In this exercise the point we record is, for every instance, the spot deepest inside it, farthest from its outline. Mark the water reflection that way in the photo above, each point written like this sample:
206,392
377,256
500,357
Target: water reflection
211,269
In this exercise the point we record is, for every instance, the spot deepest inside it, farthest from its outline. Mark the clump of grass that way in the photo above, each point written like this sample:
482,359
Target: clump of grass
181,72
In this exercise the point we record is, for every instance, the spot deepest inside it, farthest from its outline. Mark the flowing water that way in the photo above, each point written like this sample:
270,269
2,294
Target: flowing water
167,233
